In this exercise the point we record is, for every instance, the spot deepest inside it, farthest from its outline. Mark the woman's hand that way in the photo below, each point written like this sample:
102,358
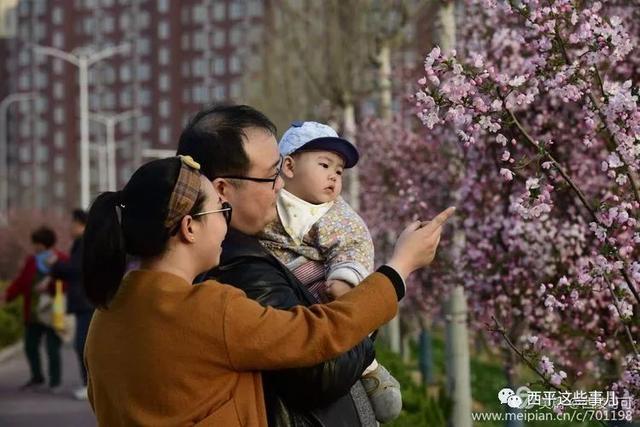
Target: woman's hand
43,285
337,288
416,246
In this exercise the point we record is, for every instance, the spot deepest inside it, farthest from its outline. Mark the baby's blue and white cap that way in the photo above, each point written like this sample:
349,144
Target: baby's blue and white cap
314,136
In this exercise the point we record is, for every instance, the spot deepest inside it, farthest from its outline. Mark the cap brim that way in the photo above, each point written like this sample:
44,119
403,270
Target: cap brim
340,146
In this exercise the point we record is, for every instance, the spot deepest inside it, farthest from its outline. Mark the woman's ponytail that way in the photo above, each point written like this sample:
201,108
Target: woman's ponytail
104,254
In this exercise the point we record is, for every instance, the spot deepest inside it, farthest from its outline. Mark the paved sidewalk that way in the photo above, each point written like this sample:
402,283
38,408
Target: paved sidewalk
22,409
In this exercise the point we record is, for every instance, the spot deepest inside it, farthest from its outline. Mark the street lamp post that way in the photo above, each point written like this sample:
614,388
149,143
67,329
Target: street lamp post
110,122
83,61
4,138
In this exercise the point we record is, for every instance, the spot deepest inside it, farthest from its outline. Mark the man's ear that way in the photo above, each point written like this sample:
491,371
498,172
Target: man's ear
222,187
288,167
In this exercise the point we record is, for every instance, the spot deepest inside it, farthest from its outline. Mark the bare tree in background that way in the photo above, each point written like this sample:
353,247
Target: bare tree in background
323,60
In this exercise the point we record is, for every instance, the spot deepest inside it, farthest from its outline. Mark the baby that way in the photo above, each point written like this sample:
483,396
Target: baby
320,238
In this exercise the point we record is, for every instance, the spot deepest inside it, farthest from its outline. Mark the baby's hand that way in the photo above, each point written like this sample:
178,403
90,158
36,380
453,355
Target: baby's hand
337,288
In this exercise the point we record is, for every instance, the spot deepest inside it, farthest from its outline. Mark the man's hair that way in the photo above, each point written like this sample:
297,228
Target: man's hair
215,137
44,236
79,216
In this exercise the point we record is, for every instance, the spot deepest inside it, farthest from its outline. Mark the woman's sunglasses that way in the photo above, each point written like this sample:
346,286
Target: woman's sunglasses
226,211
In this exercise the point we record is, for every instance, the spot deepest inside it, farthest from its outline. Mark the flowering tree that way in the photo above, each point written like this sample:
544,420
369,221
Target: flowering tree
542,98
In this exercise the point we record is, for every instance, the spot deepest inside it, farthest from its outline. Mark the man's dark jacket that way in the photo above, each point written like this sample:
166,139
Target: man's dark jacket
71,272
315,396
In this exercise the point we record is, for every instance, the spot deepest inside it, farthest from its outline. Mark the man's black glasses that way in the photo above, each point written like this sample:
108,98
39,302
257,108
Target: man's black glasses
250,178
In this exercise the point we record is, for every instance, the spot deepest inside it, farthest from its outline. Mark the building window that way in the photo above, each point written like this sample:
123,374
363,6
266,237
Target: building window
125,98
42,128
124,21
58,40
24,57
143,19
200,41
108,74
163,5
59,190
109,100
234,64
126,127
94,101
23,82
57,16
220,11
125,73
41,80
163,56
41,104
144,124
163,82
23,7
143,46
255,8
88,25
163,30
58,164
108,24
58,140
236,10
58,66
39,31
145,97
219,38
143,72
40,8
58,90
197,93
236,91
165,135
198,67
25,177
164,108
24,154
199,13
219,66
220,92
236,36
58,115
42,153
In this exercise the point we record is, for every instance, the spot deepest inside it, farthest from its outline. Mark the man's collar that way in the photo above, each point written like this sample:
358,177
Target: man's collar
237,244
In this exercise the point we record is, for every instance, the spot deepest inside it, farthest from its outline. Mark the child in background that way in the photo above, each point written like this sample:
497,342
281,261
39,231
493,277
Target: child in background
320,238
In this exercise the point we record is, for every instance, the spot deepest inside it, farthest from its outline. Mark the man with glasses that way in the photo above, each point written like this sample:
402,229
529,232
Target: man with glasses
237,150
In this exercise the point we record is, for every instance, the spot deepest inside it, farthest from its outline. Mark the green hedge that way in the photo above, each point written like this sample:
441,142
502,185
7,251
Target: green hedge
11,325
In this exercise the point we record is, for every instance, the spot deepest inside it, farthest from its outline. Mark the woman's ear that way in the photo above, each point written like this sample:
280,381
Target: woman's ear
186,229
288,167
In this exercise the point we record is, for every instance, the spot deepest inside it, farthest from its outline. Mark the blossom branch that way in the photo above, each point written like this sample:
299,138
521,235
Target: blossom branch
500,329
555,163
616,302
603,119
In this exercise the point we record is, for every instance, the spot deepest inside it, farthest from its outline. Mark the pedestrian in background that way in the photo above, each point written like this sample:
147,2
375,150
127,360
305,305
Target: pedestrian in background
77,303
31,281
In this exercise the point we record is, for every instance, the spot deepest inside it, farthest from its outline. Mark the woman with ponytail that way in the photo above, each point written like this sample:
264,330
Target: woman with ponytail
162,352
